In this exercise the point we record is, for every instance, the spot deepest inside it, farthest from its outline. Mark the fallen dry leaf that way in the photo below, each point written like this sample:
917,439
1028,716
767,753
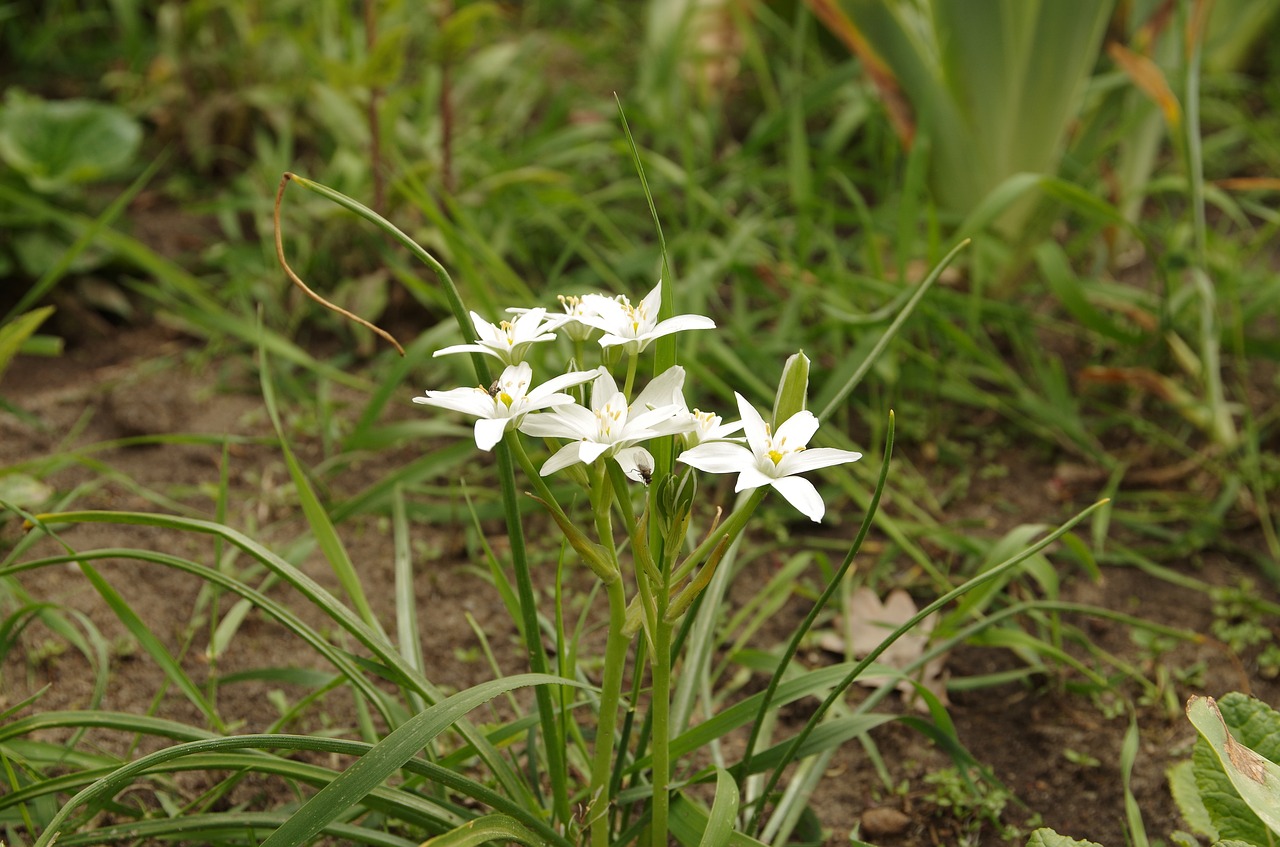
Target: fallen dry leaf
868,622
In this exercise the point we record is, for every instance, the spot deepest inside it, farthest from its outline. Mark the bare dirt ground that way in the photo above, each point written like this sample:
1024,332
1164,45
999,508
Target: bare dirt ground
1055,749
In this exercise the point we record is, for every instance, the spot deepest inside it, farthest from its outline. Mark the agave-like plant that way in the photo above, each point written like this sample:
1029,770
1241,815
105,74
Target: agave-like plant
993,86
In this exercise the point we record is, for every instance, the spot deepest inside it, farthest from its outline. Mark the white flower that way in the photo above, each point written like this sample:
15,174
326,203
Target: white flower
507,340
506,401
574,322
707,427
772,459
609,428
667,389
636,326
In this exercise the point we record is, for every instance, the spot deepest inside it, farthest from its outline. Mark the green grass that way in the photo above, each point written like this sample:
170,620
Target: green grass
790,215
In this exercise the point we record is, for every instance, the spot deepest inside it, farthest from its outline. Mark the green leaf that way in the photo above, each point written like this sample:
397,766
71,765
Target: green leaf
321,525
388,755
1255,779
793,389
1182,785
17,331
724,811
1046,837
56,144
688,822
487,828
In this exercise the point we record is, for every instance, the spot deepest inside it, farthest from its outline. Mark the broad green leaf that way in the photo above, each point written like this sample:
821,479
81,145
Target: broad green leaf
1046,837
1182,785
56,144
993,85
1256,778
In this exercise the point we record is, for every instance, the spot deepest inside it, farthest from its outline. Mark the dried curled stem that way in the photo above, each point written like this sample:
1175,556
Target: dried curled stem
296,280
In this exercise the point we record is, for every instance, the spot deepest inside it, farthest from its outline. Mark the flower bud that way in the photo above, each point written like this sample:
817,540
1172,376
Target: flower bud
793,389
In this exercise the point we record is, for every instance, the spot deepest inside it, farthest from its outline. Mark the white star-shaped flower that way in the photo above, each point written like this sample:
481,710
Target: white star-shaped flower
506,340
668,389
635,326
707,427
609,428
772,458
506,401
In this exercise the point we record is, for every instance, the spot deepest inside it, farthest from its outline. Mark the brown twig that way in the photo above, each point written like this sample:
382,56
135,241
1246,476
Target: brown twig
296,280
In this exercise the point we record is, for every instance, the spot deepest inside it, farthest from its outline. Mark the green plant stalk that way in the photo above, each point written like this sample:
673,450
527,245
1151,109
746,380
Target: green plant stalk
660,713
552,736
600,801
553,740
615,657
633,359
731,528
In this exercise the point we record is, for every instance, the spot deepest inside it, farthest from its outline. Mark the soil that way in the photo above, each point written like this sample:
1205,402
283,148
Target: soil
1054,744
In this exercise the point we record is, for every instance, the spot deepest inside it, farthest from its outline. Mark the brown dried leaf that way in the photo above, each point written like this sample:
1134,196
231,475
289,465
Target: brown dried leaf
869,621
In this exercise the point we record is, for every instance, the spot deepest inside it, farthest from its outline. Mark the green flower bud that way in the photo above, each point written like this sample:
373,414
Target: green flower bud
793,389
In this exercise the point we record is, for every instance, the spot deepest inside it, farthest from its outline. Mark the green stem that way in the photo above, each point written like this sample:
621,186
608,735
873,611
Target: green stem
552,738
633,359
615,657
732,526
660,711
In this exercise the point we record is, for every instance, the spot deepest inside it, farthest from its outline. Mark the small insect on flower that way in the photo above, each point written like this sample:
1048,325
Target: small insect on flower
645,471
495,388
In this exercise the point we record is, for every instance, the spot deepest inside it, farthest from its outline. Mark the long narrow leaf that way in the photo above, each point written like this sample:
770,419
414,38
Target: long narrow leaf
388,755
485,829
317,518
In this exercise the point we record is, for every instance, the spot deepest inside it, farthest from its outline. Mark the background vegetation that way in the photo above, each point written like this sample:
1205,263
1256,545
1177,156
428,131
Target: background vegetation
1110,332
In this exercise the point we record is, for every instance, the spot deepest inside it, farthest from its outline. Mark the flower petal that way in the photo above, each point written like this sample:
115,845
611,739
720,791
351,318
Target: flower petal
718,457
565,422
589,451
752,477
636,463
603,390
563,458
795,431
663,390
653,417
752,426
489,431
557,383
465,348
469,401
652,301
799,492
814,458
680,323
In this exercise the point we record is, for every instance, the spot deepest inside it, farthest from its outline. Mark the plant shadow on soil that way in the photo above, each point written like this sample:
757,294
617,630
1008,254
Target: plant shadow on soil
1056,751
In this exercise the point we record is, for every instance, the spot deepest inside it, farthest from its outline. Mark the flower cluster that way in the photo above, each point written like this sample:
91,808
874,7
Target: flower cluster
614,427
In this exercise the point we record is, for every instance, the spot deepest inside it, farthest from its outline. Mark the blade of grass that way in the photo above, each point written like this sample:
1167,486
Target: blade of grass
317,518
871,656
